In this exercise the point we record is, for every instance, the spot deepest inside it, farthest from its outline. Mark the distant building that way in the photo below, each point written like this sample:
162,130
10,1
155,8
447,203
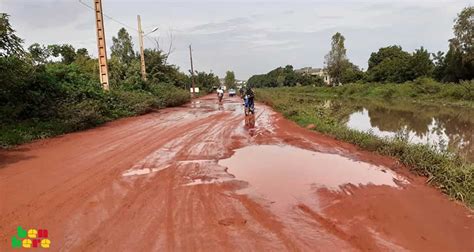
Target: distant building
238,83
315,72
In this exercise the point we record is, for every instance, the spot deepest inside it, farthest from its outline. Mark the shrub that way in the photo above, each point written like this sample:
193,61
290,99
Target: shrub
425,85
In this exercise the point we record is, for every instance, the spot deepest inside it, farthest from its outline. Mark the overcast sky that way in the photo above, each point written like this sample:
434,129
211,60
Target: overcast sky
248,37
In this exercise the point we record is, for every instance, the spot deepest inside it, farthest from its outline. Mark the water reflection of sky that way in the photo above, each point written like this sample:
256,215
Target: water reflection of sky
435,135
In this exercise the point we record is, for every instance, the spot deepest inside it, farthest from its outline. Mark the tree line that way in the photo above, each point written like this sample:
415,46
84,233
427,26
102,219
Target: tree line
284,76
391,63
51,89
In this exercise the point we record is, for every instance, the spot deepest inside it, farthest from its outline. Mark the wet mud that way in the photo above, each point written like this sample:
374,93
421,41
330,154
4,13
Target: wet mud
205,177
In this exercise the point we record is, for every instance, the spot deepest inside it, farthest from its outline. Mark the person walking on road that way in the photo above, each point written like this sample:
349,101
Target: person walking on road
220,94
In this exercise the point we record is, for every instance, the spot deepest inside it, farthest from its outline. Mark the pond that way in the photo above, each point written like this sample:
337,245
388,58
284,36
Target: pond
445,128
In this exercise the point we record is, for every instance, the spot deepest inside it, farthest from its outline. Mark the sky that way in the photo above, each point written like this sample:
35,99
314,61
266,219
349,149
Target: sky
247,37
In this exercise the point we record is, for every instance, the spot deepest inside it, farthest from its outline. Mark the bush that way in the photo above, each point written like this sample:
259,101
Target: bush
59,98
169,95
425,85
41,97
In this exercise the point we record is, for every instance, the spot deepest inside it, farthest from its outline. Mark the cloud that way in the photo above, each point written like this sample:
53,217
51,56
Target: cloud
217,27
45,13
248,37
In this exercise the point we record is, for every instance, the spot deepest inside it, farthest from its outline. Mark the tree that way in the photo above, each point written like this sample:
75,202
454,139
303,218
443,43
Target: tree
389,64
122,60
229,79
67,52
439,65
336,58
458,63
464,33
351,73
122,47
82,52
206,81
155,66
284,76
10,44
459,60
455,66
159,71
39,53
420,64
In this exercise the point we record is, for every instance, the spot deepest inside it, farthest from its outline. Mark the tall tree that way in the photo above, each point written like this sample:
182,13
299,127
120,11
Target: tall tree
464,32
10,44
122,47
336,58
460,57
439,60
229,79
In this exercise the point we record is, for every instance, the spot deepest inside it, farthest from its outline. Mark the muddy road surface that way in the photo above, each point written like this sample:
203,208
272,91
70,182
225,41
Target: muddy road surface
201,178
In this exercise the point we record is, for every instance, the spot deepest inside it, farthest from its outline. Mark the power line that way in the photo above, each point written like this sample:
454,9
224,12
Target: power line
117,21
109,17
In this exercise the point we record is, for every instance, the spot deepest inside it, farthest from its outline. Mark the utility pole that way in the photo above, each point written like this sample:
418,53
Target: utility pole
140,39
192,69
99,20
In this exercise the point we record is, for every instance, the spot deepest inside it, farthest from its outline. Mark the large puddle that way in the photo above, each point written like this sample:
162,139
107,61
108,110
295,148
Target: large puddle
286,174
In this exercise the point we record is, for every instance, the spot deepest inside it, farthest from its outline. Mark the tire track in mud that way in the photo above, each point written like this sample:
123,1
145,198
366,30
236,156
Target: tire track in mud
154,182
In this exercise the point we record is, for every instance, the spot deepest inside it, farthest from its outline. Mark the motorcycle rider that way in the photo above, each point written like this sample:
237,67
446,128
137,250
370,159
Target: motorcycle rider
250,95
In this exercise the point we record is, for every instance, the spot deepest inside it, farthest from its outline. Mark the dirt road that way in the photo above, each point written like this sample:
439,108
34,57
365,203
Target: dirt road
198,178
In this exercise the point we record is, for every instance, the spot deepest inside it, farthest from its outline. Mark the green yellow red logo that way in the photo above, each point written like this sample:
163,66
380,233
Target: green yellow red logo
31,238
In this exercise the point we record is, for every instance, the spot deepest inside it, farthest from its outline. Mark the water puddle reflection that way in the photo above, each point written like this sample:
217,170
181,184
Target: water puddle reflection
444,128
286,174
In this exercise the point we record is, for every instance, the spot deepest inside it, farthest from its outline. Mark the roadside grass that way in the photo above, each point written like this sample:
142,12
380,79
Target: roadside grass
82,114
449,172
422,90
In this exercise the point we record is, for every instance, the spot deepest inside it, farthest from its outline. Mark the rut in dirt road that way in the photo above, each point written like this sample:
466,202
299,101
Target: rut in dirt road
199,177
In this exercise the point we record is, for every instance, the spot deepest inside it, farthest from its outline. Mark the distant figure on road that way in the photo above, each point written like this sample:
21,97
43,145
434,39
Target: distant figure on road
248,98
220,94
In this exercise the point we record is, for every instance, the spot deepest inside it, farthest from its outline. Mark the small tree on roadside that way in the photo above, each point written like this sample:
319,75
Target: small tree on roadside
122,47
336,59
229,79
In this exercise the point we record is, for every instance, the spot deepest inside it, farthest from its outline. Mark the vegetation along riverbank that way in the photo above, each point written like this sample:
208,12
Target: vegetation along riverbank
448,171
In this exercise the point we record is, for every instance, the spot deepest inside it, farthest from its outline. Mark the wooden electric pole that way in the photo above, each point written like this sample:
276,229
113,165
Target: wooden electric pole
140,39
99,20
192,69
